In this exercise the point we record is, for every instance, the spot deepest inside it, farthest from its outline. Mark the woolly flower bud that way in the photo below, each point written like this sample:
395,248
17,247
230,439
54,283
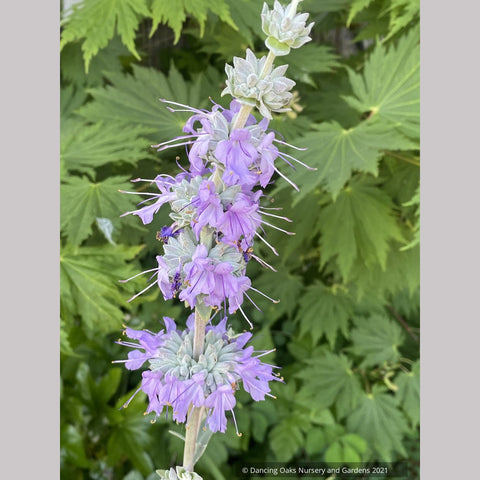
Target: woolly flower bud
250,85
285,28
179,474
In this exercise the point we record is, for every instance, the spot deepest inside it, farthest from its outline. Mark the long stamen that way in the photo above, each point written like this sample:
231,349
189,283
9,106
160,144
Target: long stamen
125,405
282,154
144,290
246,318
263,262
266,352
235,423
275,216
253,303
152,180
278,228
286,178
289,145
190,109
266,296
183,137
138,274
165,147
142,193
263,240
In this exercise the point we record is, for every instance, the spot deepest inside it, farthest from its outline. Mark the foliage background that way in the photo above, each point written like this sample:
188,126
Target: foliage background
346,329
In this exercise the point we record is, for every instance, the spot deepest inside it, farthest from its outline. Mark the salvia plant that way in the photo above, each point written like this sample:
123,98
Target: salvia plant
217,213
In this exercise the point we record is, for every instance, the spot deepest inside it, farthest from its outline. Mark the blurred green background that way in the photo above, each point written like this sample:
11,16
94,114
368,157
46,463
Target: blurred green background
346,330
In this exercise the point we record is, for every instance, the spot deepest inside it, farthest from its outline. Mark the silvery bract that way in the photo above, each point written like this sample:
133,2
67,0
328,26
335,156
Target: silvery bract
285,28
179,474
250,85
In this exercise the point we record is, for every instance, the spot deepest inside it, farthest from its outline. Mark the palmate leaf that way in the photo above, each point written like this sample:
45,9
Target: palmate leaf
337,152
357,6
108,59
311,58
328,379
401,273
389,87
174,12
96,22
380,422
402,12
358,225
376,338
89,285
324,311
134,100
408,393
85,147
82,202
286,438
246,15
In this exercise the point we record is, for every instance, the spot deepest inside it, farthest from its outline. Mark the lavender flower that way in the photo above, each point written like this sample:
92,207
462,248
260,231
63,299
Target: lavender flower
176,379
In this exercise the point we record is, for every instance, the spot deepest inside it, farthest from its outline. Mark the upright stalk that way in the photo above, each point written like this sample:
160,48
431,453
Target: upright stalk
195,415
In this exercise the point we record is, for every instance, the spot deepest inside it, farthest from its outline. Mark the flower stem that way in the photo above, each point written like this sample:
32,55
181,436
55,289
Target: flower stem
202,315
193,426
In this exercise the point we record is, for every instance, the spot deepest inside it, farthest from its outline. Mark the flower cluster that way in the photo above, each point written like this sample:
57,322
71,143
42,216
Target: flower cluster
219,195
175,379
285,29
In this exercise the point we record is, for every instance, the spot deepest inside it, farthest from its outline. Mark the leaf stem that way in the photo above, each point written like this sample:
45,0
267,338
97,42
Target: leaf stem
403,323
401,157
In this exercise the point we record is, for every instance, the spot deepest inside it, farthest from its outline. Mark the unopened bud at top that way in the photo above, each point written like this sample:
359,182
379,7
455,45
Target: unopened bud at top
285,29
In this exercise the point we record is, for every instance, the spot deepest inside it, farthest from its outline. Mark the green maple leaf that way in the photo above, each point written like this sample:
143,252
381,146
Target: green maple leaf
377,339
89,285
311,58
357,6
96,22
380,422
85,147
402,13
402,272
408,392
82,202
329,380
286,438
389,87
174,12
337,152
324,311
134,100
359,224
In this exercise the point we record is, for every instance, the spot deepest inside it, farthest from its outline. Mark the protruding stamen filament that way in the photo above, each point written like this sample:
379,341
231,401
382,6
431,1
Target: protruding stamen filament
139,293
246,318
263,240
276,216
138,274
287,179
278,228
266,296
